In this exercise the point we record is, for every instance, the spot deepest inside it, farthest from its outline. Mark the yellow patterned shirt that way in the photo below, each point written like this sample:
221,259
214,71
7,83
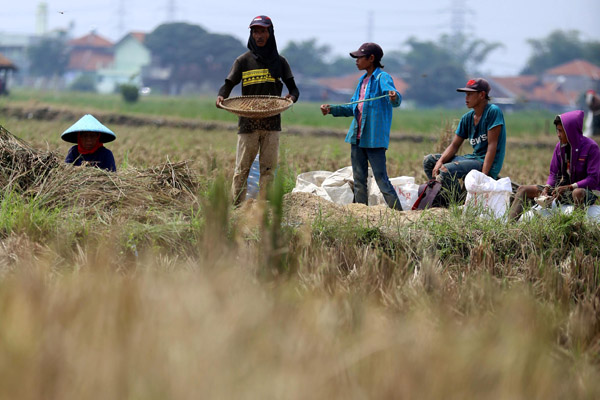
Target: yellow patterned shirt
256,80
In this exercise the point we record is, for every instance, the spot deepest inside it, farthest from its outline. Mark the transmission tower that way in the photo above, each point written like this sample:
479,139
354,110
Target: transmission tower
458,11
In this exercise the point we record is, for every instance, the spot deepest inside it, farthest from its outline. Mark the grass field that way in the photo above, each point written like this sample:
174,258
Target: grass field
167,293
520,124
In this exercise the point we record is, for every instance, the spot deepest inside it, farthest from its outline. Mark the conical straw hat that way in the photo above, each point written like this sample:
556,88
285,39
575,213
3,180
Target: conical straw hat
88,123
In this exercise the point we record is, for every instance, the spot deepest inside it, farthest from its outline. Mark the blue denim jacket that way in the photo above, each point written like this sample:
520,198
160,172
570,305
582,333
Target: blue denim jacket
377,114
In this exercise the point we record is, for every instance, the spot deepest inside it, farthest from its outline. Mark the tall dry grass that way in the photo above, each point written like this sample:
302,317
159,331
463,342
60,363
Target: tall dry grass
211,327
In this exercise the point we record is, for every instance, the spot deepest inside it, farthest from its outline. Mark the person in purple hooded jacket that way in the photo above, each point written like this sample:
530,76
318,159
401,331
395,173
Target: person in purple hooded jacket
574,169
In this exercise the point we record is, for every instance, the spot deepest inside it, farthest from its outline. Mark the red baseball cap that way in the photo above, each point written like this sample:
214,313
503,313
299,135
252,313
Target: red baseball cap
261,20
476,85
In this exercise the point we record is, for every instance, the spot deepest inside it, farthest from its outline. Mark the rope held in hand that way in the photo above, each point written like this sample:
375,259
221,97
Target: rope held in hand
362,101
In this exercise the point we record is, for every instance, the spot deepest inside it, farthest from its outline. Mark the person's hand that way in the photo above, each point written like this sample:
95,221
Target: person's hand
219,101
393,95
546,191
291,97
325,109
560,190
436,169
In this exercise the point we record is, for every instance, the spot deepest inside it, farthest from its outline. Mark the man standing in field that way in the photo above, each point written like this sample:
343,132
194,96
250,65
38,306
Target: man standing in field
261,71
485,130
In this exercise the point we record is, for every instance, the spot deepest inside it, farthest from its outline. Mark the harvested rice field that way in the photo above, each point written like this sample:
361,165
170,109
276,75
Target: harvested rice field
148,283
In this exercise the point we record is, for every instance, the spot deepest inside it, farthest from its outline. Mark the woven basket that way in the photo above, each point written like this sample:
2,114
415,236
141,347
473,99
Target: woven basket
256,106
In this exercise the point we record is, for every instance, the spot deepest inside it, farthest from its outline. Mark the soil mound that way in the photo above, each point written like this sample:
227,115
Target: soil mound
304,208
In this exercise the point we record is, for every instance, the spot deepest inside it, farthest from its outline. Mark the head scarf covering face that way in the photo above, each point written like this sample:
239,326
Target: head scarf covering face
267,54
82,150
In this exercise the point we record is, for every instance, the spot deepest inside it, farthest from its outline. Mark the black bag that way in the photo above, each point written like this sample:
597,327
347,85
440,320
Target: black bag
430,195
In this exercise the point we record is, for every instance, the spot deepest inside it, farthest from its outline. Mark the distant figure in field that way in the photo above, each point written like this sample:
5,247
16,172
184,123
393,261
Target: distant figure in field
485,130
90,136
592,121
574,169
369,133
262,71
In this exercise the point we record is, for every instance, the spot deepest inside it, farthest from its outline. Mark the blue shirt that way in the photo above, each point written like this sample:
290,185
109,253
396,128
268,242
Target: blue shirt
101,158
376,115
478,135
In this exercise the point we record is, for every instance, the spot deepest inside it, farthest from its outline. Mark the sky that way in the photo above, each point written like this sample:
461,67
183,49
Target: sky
342,25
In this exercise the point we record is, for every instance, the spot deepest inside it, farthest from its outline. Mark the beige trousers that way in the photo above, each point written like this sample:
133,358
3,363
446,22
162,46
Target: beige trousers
248,145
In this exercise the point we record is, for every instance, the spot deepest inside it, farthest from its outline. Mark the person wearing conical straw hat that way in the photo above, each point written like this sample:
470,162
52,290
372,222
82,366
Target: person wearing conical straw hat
261,71
90,135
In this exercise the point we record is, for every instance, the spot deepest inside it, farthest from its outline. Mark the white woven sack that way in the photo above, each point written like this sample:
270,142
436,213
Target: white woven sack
491,196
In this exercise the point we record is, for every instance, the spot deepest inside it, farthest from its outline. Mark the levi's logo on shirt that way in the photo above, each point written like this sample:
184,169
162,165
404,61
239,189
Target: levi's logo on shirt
479,139
256,76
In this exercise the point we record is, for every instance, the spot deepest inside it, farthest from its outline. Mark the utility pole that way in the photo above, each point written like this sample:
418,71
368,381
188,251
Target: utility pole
41,21
121,18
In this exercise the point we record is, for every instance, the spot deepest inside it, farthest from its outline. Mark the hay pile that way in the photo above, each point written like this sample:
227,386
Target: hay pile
45,178
21,166
170,186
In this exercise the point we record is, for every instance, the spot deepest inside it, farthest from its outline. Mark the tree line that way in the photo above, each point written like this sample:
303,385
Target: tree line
432,68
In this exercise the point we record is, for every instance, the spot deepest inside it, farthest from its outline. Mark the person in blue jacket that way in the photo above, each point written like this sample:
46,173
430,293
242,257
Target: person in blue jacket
90,135
369,133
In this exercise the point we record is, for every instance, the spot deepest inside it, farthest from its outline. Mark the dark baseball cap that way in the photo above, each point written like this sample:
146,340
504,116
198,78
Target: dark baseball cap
476,85
366,49
261,20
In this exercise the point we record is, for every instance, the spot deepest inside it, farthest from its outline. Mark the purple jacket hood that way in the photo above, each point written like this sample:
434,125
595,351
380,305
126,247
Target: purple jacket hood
585,154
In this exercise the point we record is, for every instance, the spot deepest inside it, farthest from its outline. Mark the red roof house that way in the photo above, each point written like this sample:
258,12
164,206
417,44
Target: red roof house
576,68
558,88
90,53
6,64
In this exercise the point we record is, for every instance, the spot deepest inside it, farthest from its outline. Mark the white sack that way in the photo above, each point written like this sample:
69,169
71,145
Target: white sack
490,195
407,190
593,212
310,182
307,178
338,187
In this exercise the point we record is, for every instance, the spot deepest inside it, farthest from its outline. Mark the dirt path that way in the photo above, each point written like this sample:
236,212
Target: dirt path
49,113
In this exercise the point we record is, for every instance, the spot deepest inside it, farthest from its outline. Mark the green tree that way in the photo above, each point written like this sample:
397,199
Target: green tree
466,51
84,83
434,73
557,48
308,58
48,57
192,54
435,69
